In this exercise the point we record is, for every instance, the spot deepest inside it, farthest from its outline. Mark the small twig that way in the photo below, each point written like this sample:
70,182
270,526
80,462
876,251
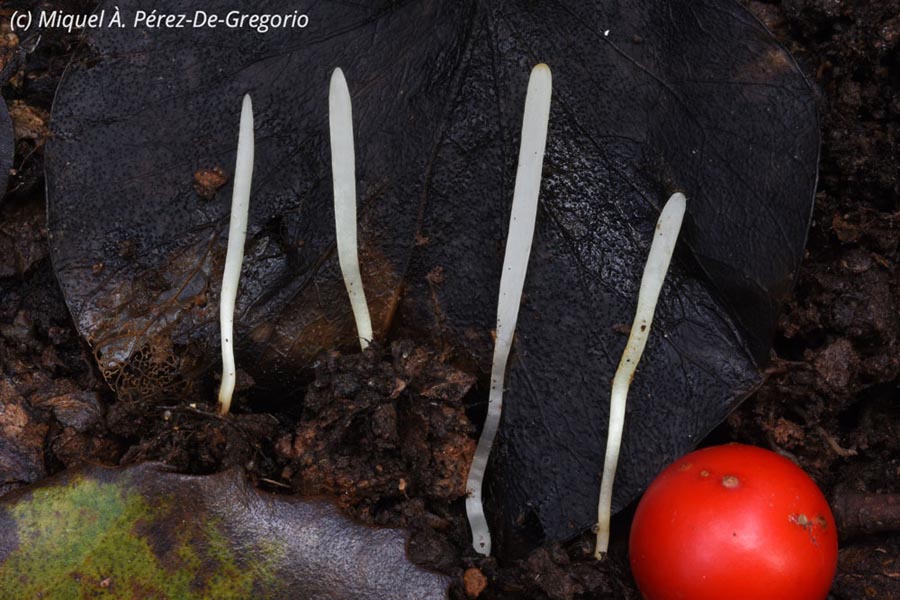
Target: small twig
276,483
212,415
829,439
781,451
861,513
780,366
837,448
199,412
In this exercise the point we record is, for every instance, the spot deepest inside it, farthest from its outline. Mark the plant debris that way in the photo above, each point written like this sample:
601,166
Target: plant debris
145,531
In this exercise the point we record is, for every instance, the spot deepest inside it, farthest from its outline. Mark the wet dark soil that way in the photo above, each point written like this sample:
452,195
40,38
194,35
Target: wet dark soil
387,431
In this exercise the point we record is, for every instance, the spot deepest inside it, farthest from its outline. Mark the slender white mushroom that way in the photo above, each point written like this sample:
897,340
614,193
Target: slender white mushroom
234,257
343,170
515,265
667,228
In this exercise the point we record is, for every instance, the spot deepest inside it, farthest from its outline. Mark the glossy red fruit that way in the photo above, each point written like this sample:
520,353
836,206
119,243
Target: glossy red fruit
733,522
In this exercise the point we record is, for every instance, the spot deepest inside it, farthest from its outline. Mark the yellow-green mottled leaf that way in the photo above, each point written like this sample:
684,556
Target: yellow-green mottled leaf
143,532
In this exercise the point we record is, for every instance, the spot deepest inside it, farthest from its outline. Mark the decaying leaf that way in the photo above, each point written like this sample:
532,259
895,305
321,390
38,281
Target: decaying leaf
133,126
648,98
143,532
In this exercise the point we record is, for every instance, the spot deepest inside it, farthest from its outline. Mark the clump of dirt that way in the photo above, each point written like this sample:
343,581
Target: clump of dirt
373,430
52,405
562,572
828,402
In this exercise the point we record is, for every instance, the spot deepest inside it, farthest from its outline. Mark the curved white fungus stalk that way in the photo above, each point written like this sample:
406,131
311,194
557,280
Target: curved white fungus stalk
515,264
234,257
667,228
343,170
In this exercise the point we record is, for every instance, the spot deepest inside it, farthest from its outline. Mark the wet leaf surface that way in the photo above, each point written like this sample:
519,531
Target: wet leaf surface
139,250
649,98
373,429
638,113
144,532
